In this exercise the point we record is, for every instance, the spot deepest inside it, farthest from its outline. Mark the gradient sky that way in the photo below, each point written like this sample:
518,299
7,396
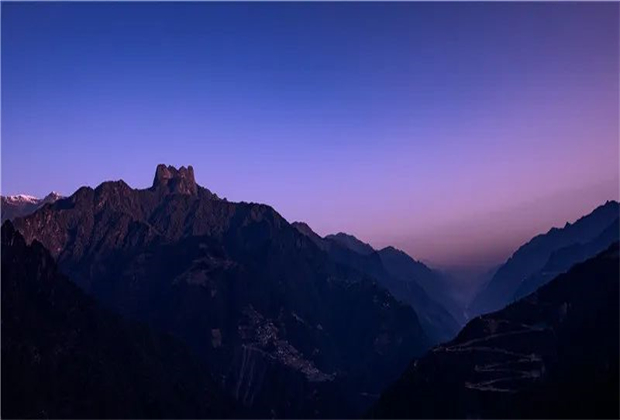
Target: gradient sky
453,131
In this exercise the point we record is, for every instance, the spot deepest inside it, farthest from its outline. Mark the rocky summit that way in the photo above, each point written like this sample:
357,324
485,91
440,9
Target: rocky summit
170,179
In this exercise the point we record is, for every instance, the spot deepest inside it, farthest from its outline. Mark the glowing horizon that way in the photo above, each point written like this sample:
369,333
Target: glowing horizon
452,131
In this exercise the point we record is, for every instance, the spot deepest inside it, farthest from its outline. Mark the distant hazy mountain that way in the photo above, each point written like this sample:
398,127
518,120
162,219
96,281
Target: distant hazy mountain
351,242
401,265
13,206
546,255
399,274
287,331
65,357
553,354
564,258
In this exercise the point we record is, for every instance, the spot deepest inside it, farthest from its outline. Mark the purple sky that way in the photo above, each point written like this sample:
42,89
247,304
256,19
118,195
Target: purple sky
453,131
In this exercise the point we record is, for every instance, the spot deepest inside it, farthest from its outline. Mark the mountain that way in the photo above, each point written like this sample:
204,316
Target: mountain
349,251
564,258
351,242
399,264
553,354
539,260
286,331
13,206
65,357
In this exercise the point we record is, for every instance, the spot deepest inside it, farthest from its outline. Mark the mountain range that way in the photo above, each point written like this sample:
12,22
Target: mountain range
552,354
406,279
208,308
285,329
13,206
547,255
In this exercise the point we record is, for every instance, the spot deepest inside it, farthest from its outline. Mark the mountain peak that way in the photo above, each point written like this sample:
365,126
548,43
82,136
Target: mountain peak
392,249
303,228
51,197
175,180
306,230
21,198
351,242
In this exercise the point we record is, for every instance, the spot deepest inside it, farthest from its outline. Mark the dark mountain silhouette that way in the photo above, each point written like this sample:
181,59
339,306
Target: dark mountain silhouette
287,331
553,354
403,284
314,237
402,266
65,357
527,268
351,242
22,205
564,258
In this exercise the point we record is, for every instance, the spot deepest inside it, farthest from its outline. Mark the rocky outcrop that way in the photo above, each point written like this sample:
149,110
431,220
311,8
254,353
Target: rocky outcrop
177,181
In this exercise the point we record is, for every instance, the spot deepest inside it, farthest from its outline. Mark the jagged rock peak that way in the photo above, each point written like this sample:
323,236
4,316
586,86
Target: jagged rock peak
303,228
175,180
51,197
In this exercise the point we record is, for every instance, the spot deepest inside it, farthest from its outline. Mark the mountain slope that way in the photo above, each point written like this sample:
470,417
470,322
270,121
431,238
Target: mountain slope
532,257
402,266
13,206
64,357
351,242
349,251
564,258
286,330
553,354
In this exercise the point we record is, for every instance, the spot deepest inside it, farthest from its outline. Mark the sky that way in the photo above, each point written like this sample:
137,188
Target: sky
453,131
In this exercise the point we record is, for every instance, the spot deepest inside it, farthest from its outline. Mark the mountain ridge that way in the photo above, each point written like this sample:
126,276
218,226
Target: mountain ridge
287,332
532,256
346,249
64,356
13,206
552,354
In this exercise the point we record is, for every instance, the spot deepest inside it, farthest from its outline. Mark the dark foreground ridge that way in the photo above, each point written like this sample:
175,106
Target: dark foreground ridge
552,354
65,357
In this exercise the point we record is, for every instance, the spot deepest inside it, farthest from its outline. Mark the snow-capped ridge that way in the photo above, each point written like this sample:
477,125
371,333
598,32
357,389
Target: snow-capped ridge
23,198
